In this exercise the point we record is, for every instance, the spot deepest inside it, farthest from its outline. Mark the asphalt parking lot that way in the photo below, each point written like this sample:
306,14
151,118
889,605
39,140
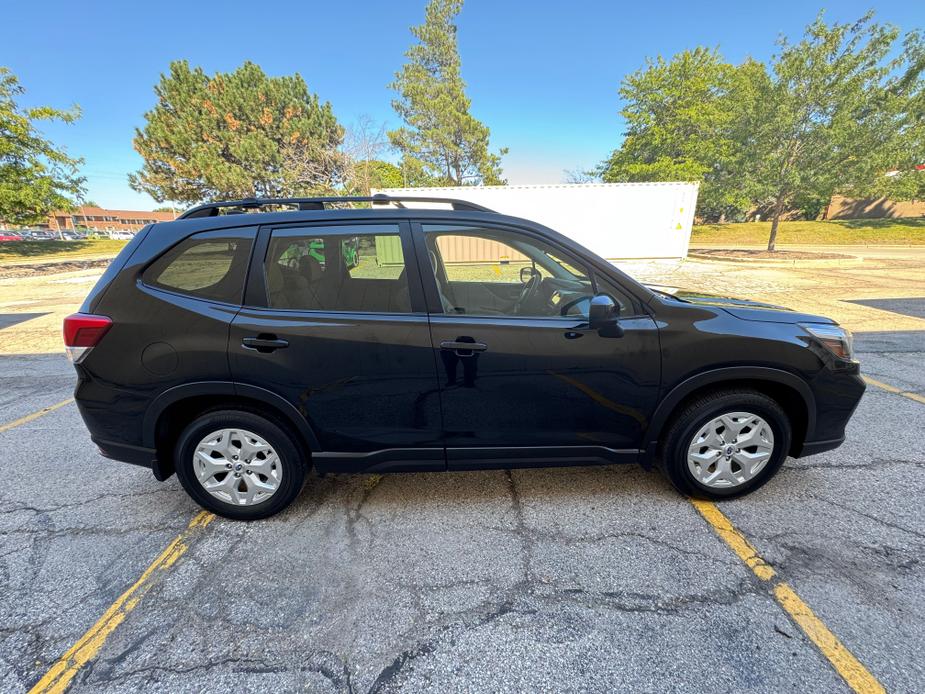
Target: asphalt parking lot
581,579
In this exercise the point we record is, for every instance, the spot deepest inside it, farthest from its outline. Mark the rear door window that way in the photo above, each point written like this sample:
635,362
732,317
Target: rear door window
348,268
209,265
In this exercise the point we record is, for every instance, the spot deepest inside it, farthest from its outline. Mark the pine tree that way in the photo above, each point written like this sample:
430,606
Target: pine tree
236,135
441,142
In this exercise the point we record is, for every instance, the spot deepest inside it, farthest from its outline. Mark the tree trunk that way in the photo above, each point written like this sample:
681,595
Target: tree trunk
775,221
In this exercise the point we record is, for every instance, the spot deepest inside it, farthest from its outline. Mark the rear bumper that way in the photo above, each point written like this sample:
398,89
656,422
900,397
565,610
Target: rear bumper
136,455
813,447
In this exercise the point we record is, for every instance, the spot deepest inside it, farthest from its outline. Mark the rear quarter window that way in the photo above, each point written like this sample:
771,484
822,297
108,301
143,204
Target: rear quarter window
206,266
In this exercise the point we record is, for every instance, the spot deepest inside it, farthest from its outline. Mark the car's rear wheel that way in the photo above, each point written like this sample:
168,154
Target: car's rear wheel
726,444
239,464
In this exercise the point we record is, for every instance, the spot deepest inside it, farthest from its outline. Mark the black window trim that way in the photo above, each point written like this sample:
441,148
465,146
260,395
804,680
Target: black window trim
430,289
256,296
241,232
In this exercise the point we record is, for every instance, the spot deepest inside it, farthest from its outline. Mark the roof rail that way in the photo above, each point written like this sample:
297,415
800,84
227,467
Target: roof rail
211,209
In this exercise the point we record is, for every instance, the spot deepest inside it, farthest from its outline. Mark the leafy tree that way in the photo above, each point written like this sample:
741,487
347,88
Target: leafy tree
831,113
832,116
441,142
680,115
237,134
36,177
375,173
906,180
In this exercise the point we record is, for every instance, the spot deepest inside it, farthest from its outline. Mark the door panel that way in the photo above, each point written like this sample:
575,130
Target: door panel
538,385
364,382
545,382
339,330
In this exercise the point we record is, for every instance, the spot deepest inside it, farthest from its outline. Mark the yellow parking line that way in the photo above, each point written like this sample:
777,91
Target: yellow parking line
736,540
893,389
35,415
850,668
67,666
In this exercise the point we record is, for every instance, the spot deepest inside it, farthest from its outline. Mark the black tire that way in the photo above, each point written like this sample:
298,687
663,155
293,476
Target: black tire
673,457
289,454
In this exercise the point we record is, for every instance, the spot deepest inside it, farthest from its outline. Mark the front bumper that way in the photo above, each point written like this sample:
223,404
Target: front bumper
837,396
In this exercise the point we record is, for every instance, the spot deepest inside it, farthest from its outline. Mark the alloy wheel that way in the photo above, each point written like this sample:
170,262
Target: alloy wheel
237,466
730,450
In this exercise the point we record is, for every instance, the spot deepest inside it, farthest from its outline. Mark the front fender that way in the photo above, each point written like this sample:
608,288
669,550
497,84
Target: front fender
729,374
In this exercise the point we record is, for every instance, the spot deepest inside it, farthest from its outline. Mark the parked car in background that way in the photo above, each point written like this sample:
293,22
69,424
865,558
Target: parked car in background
121,235
38,235
237,350
10,236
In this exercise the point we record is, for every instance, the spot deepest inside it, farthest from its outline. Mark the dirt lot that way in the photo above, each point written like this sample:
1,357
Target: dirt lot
590,579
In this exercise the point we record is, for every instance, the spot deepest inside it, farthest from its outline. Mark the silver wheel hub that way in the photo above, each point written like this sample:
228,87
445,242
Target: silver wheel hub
218,465
730,450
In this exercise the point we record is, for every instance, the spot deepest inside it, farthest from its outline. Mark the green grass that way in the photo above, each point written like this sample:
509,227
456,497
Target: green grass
13,252
908,231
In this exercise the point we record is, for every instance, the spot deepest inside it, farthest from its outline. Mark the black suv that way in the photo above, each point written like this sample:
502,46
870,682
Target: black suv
239,349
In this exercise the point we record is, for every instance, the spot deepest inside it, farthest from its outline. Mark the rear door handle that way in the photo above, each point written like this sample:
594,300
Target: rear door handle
264,343
462,347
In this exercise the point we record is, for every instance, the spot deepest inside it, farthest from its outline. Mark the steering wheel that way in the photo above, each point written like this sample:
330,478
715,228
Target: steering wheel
531,287
563,310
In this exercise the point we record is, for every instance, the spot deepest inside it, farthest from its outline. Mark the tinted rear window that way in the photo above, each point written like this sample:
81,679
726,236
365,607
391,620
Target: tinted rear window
205,265
357,268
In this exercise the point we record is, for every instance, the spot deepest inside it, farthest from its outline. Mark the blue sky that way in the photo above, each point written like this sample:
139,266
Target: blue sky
543,75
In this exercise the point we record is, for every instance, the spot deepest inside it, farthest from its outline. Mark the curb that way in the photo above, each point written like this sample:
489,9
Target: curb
785,262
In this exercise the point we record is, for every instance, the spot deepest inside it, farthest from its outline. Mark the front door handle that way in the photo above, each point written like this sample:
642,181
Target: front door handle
264,343
463,349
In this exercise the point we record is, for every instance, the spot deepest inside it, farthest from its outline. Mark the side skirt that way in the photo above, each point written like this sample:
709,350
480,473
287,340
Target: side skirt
387,460
482,458
536,456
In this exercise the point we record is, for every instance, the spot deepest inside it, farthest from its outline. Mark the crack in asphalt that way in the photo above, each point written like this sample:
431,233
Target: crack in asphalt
572,540
531,595
881,521
521,528
515,598
84,502
876,463
516,601
337,672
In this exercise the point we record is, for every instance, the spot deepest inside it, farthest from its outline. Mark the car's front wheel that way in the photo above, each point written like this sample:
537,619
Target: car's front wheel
726,444
239,464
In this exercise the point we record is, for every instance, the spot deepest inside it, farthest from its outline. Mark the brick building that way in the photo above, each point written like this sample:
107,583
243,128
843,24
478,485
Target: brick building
99,219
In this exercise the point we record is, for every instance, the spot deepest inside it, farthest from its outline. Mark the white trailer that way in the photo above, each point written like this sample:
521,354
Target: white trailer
615,220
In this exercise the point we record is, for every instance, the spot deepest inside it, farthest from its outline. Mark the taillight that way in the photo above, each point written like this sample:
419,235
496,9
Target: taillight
82,332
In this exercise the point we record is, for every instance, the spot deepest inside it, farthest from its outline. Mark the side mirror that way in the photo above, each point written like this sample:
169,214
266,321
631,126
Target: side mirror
602,316
527,273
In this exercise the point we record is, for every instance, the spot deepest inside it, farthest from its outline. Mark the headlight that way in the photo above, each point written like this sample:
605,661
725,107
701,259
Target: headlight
834,338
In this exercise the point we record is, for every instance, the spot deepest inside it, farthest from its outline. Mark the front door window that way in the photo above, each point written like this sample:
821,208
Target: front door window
493,272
